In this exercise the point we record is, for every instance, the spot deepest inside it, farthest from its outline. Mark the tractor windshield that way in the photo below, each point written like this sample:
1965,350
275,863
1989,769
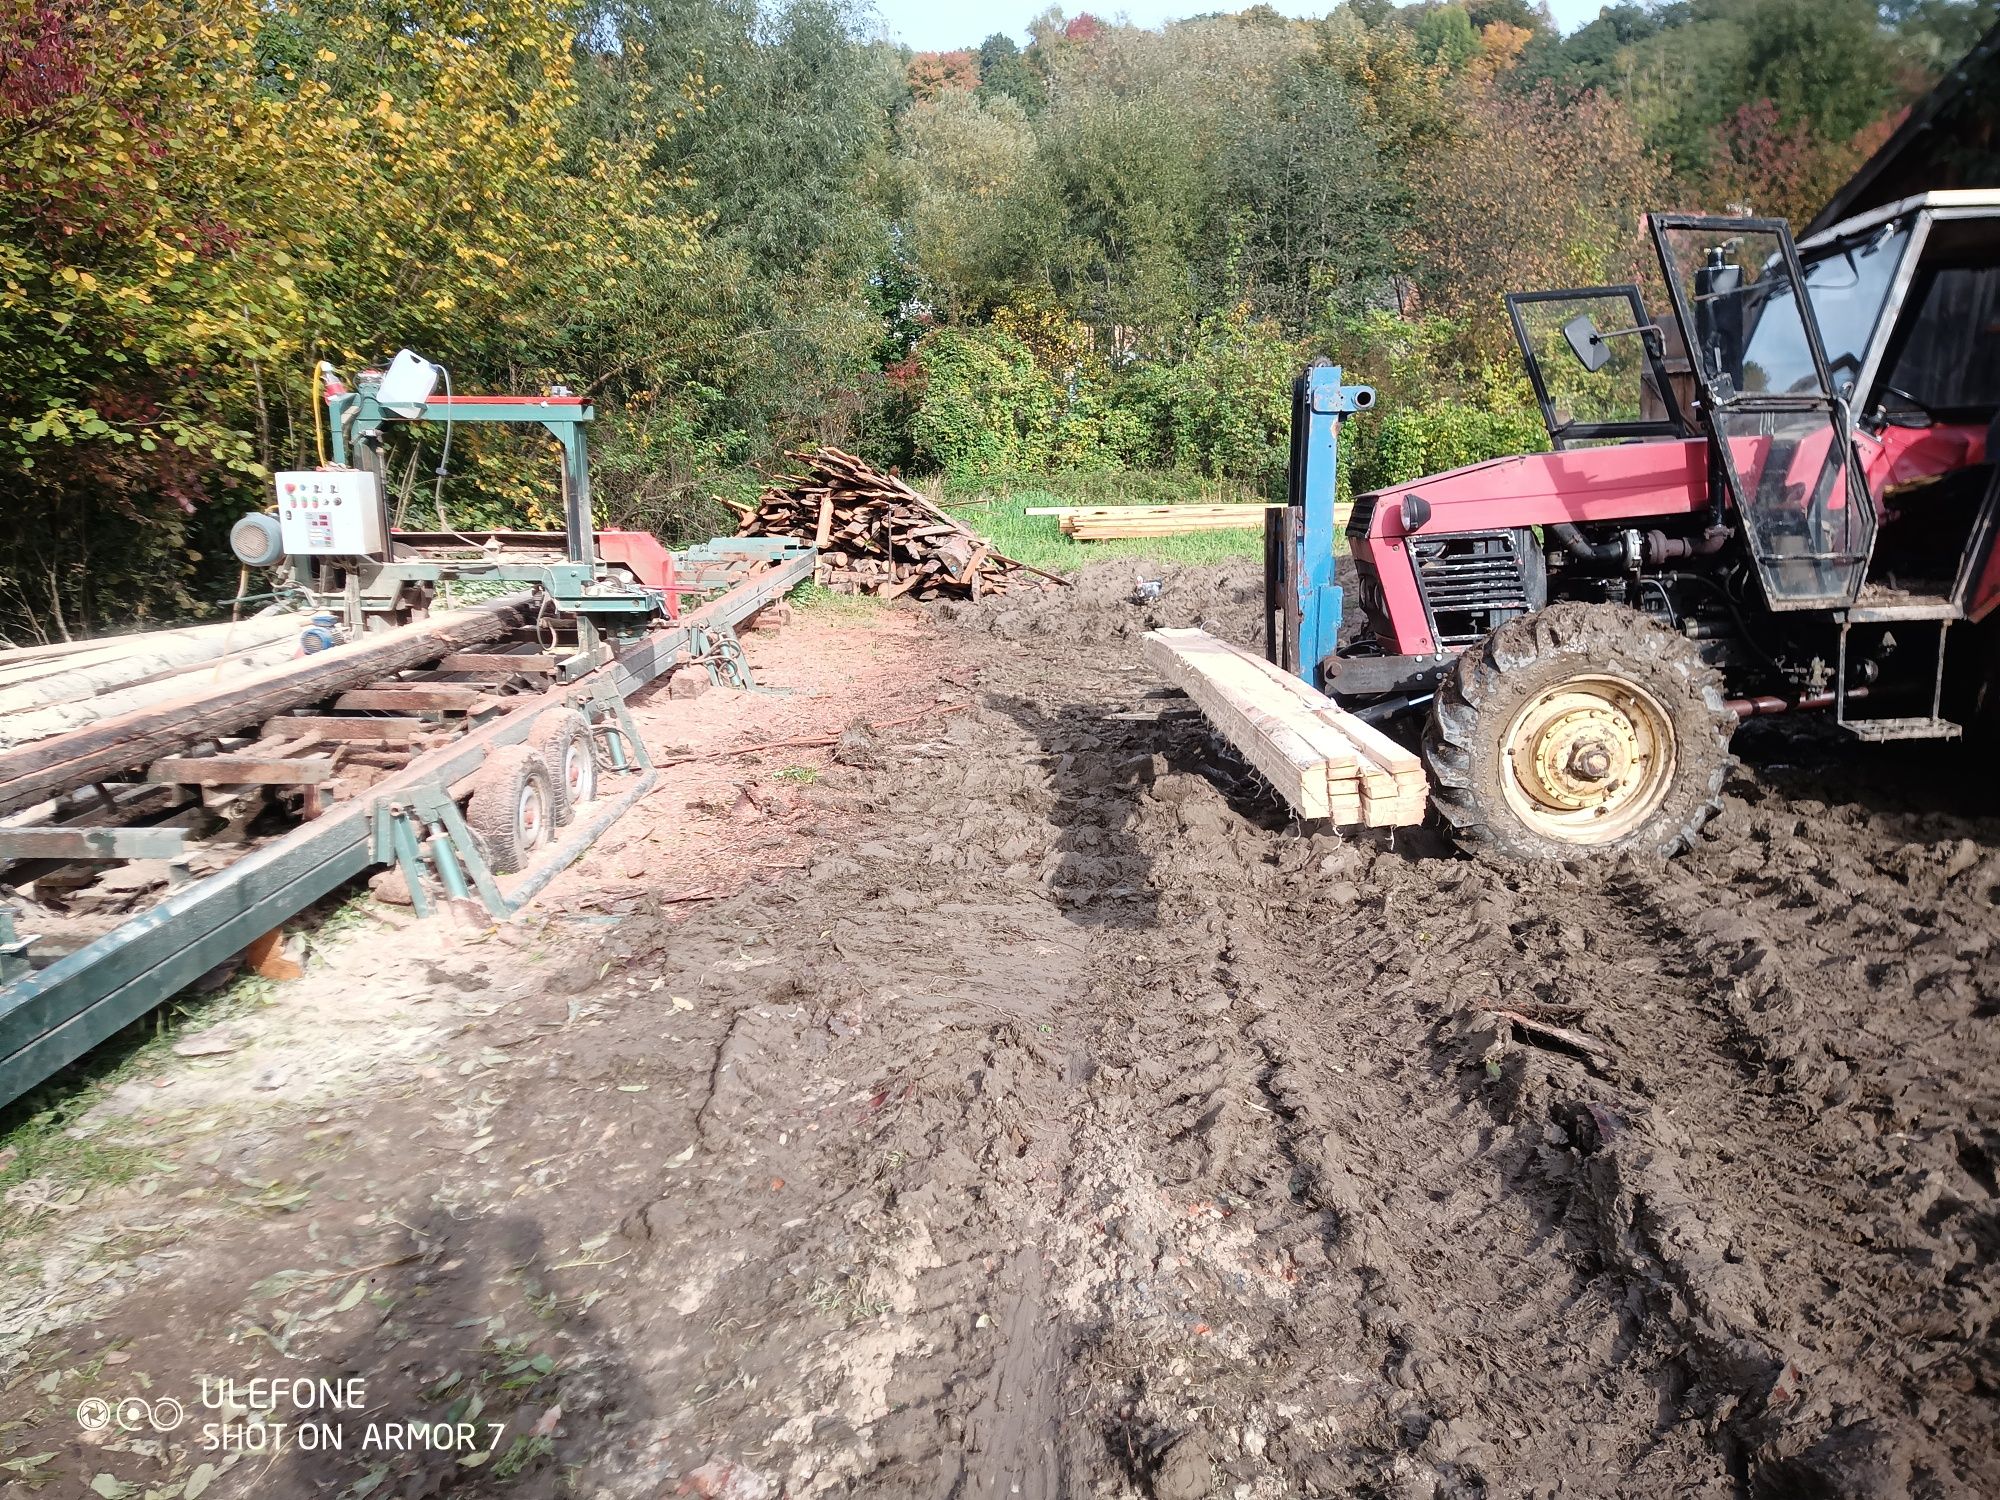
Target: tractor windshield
1847,284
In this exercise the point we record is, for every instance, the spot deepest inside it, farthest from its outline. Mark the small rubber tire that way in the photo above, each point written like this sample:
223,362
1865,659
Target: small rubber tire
510,807
1475,785
562,738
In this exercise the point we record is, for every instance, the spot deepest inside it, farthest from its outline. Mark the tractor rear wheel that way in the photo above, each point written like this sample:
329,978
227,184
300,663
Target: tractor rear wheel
1580,729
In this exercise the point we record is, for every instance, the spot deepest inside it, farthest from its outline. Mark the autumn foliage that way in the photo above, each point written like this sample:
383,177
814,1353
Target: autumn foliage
739,226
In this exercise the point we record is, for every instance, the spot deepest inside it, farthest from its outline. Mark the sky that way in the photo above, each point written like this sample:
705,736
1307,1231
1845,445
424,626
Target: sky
929,26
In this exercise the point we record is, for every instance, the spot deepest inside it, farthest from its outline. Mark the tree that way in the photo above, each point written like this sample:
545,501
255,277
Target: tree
933,74
976,206
1310,213
1445,37
1005,72
1760,165
1539,193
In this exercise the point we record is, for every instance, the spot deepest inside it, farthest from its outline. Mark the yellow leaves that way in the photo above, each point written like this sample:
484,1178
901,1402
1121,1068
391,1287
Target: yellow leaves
326,55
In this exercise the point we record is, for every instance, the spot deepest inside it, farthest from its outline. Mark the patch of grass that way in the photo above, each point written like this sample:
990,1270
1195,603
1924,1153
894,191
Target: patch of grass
41,1146
823,603
996,506
801,775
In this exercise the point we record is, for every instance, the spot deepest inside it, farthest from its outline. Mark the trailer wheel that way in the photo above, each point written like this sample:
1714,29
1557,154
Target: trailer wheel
562,739
509,811
1580,729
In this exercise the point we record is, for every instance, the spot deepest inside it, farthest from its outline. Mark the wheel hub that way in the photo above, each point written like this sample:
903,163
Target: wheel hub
529,816
1591,759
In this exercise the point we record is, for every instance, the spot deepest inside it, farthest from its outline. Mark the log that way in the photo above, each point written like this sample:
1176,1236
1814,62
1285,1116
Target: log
100,751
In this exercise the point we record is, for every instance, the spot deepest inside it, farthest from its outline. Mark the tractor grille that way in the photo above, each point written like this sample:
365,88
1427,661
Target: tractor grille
1473,581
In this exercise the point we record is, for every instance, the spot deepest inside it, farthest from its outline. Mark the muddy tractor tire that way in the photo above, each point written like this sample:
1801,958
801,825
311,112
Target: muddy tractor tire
511,811
1579,730
562,738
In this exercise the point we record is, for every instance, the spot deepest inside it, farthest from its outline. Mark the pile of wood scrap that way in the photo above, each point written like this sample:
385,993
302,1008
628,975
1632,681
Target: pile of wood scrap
1098,523
876,535
1322,760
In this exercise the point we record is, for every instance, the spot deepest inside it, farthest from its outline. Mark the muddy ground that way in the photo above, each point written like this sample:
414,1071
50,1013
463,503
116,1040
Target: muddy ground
1071,1125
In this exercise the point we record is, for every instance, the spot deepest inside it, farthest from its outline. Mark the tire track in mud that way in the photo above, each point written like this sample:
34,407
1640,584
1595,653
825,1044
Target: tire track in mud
1887,1257
1143,1146
1422,1326
1647,1161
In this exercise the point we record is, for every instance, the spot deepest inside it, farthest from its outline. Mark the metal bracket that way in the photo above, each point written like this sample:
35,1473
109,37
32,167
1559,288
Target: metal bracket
13,949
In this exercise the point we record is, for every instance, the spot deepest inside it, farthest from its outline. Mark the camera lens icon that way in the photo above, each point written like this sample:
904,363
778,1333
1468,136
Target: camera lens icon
93,1414
134,1413
167,1414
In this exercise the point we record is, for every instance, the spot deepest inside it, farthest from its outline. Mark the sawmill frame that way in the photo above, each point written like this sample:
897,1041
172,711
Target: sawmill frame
411,820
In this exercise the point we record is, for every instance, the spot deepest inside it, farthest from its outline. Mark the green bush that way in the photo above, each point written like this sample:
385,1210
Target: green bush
1405,443
986,405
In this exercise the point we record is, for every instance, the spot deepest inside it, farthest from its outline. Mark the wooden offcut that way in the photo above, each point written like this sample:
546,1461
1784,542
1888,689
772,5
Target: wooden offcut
538,663
397,731
240,770
418,697
1322,760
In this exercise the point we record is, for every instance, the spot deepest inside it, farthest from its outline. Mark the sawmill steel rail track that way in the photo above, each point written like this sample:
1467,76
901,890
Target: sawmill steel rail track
52,1016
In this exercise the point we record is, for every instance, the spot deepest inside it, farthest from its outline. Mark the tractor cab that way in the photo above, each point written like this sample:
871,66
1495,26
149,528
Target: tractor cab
1849,424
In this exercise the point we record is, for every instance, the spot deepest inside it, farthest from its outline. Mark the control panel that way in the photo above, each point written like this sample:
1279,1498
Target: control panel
330,513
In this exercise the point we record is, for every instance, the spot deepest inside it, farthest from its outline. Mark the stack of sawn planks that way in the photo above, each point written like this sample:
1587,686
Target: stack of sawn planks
876,535
1099,523
1322,760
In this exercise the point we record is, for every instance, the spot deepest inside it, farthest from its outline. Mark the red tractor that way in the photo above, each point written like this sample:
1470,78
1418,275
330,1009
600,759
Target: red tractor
1783,499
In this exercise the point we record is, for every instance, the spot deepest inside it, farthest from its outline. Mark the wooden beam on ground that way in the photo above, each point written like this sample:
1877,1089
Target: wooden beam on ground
240,770
1106,522
99,751
1205,670
1130,511
1312,751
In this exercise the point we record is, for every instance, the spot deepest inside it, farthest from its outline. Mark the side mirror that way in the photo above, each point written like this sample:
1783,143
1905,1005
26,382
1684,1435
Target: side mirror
1580,332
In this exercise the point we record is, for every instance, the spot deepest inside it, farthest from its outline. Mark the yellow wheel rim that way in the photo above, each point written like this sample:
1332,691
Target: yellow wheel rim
1589,760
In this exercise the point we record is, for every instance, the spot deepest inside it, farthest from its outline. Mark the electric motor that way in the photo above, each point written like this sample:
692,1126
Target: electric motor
256,541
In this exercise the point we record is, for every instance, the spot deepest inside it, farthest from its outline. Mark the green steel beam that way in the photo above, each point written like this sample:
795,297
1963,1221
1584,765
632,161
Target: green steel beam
92,843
